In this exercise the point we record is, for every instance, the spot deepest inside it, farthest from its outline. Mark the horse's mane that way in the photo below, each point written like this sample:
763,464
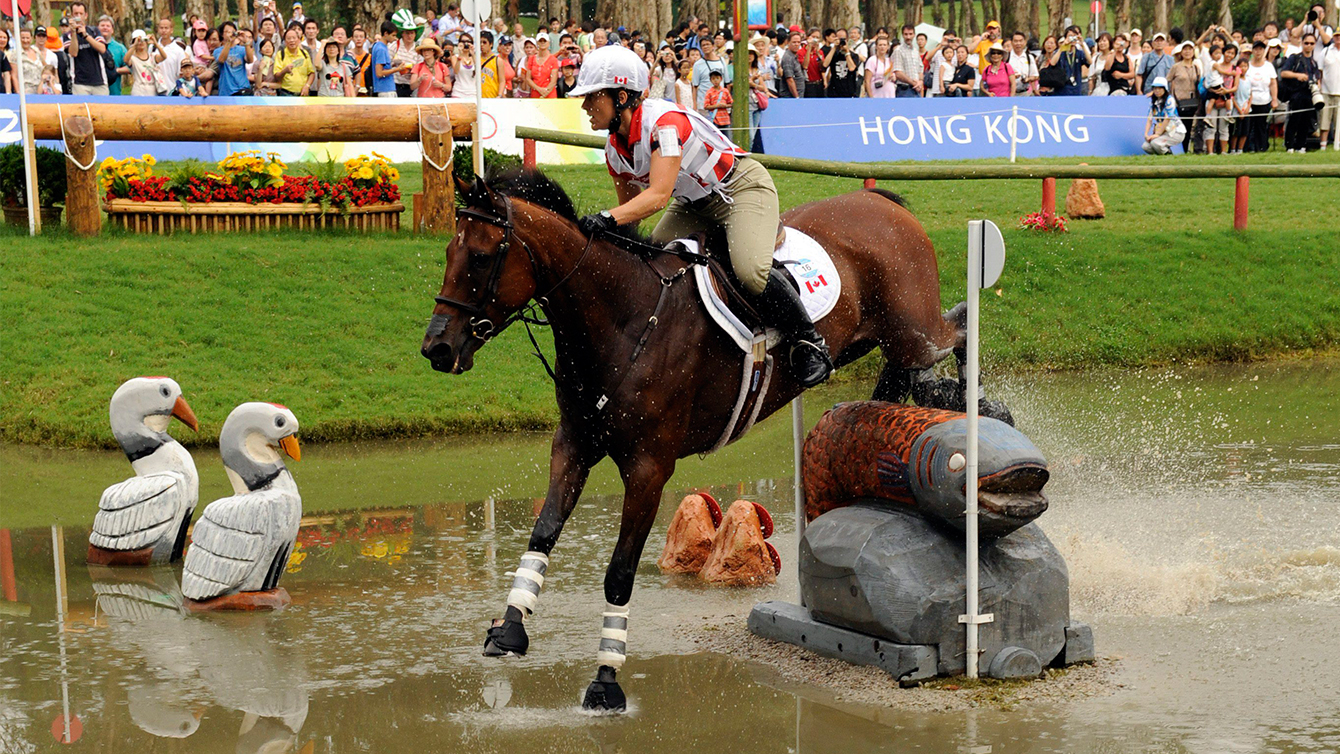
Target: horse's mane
539,189
895,198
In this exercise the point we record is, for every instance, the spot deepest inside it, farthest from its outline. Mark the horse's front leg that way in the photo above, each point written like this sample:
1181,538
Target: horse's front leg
569,463
644,477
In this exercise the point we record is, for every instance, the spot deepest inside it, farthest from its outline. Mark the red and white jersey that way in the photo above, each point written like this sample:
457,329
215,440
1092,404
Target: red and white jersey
706,155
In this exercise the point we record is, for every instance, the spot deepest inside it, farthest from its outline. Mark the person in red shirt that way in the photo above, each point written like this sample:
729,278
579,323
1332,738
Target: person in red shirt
718,102
812,59
542,71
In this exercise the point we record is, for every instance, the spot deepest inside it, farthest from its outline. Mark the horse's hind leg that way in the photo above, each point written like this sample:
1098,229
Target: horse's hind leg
644,479
569,464
894,384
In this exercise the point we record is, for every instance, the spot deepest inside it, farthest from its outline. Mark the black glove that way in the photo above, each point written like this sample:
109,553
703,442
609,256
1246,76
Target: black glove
601,222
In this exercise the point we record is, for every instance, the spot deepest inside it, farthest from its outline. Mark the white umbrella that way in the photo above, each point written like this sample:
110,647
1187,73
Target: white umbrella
933,33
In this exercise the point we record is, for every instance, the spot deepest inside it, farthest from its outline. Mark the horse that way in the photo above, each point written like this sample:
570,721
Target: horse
638,368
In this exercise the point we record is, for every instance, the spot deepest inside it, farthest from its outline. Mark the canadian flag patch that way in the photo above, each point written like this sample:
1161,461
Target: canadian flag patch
621,80
816,284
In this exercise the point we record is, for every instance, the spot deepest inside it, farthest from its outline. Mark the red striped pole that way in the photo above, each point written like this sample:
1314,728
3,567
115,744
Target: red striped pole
528,154
1240,197
1049,196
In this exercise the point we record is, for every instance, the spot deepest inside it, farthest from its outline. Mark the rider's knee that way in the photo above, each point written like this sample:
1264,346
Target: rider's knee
753,277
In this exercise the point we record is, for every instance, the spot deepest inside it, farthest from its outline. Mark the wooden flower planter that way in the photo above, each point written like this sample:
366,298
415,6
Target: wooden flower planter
164,218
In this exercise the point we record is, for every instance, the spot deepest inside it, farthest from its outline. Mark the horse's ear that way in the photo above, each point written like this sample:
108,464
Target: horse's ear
462,188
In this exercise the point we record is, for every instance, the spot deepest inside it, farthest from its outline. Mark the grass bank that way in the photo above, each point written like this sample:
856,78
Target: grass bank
330,324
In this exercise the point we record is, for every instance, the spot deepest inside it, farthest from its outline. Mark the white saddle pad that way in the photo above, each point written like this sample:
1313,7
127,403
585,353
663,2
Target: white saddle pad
807,262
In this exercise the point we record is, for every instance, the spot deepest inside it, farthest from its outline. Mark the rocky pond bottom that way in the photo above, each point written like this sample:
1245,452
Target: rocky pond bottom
1196,509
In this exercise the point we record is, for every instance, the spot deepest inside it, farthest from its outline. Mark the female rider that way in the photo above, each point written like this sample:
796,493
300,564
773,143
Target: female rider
658,151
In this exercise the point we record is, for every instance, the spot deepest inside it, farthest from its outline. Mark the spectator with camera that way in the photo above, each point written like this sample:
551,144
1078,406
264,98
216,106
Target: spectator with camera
841,65
1297,77
86,52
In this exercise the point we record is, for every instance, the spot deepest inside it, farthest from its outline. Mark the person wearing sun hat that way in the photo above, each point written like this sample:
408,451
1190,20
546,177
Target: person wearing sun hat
298,15
1163,126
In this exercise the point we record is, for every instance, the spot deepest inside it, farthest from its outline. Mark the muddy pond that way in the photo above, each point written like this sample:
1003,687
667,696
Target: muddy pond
1198,509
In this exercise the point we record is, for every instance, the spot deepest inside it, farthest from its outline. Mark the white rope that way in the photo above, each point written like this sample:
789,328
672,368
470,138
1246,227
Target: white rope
65,140
451,153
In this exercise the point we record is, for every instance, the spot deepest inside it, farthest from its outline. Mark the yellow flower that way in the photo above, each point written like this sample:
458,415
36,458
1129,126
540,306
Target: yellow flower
364,173
393,174
275,169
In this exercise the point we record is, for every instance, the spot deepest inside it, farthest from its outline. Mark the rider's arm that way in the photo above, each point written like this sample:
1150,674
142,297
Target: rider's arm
649,201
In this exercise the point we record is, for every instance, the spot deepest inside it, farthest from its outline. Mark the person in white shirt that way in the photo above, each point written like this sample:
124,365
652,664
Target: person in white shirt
1135,49
1023,64
173,51
858,46
1330,90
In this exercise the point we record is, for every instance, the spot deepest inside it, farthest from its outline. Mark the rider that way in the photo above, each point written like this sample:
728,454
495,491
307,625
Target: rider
658,151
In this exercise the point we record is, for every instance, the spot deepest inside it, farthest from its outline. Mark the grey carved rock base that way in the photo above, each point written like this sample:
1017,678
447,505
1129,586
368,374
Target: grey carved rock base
880,581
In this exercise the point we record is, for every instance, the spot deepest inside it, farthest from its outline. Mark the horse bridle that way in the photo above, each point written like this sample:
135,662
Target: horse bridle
481,327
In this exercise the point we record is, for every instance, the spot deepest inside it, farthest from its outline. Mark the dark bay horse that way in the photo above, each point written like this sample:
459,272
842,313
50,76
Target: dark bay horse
646,407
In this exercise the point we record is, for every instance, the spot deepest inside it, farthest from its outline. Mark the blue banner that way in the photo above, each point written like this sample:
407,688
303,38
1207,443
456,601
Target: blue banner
881,130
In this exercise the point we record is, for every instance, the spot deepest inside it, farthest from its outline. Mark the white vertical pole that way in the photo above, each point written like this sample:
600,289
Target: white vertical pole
975,252
62,604
478,145
1014,132
797,447
23,127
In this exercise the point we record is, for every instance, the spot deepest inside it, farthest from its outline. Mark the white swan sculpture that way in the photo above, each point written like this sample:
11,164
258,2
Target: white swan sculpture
241,544
143,520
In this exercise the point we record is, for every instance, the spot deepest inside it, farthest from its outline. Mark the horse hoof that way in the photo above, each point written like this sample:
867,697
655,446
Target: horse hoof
995,410
506,637
604,694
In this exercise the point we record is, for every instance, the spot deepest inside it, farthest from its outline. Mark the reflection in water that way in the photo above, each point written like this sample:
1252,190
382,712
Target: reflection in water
1196,509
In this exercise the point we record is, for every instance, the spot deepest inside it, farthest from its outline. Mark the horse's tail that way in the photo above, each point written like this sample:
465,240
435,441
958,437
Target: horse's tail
957,318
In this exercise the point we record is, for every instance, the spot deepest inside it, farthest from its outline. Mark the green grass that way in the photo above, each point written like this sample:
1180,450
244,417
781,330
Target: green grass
330,323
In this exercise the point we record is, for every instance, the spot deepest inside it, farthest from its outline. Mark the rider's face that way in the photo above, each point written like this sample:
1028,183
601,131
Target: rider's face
599,107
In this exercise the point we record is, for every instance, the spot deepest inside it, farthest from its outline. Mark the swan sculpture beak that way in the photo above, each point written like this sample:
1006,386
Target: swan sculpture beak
182,411
290,447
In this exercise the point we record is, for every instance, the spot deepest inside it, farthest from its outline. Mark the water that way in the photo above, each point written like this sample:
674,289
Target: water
1197,509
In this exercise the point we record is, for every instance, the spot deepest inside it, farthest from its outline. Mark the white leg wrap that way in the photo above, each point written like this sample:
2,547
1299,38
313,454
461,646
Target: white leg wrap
527,582
613,636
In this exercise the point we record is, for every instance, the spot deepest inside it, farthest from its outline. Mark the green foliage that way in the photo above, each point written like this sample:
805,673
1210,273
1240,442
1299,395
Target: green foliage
50,171
463,162
329,170
183,172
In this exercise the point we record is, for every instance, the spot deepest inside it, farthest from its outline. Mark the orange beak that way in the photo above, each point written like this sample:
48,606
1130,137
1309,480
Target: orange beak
184,412
290,447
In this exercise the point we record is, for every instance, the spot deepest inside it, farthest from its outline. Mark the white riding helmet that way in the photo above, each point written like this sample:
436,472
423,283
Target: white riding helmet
611,67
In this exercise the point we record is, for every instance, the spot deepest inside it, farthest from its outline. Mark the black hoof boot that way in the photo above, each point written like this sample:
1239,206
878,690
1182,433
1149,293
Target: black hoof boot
604,694
506,637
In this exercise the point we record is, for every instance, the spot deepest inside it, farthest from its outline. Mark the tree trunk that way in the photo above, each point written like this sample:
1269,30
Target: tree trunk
1189,11
41,12
882,14
1056,13
370,13
606,10
1034,18
512,12
816,15
1225,18
1124,16
198,8
951,23
1161,15
989,11
913,11
790,12
704,10
128,15
1267,11
665,15
1014,16
844,14
968,18
937,13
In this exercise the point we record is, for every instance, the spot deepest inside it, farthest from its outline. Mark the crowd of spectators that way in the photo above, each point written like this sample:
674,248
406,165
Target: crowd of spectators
1222,92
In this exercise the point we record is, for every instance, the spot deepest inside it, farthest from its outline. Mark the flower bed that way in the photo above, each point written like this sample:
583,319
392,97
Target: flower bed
251,192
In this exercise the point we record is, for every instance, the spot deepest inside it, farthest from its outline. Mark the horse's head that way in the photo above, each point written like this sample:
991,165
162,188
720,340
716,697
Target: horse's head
488,279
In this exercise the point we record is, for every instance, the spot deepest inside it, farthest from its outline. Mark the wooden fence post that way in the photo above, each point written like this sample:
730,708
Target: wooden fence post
82,212
869,183
1240,195
439,190
1049,196
528,154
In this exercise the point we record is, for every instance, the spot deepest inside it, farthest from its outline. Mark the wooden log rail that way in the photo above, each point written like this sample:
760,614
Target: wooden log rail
433,125
252,123
870,172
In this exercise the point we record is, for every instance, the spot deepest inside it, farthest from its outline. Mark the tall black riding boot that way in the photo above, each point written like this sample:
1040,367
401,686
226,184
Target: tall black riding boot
779,305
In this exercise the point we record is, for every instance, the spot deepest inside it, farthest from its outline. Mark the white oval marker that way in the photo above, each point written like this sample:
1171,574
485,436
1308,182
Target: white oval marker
957,462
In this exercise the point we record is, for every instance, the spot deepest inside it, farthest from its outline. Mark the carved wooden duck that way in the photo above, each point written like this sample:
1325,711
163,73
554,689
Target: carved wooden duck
241,544
143,520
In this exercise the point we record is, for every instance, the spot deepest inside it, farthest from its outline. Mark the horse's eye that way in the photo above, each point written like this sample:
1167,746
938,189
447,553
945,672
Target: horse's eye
480,262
